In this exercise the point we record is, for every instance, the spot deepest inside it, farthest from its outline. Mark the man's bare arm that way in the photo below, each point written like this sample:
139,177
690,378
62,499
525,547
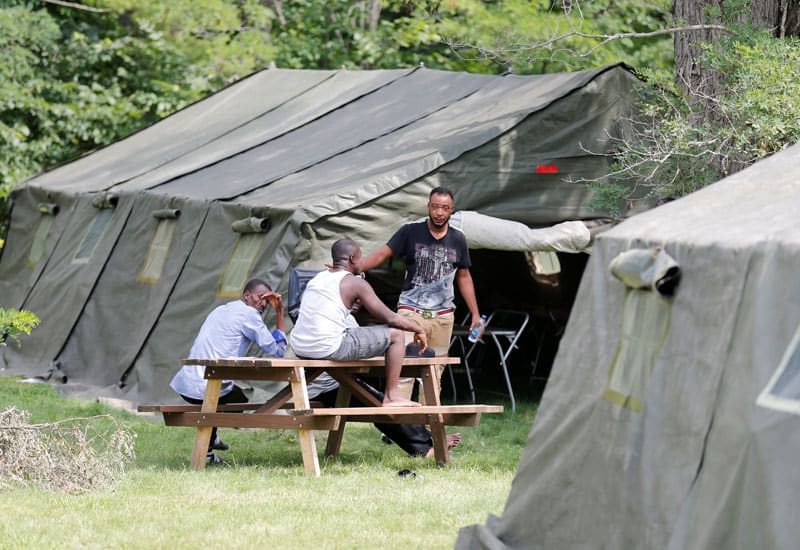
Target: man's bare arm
467,290
378,257
353,288
280,322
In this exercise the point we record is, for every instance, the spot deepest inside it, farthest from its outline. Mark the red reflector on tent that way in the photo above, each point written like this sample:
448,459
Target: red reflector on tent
547,169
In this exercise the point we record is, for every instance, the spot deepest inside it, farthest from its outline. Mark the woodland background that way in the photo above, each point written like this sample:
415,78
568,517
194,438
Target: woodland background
723,76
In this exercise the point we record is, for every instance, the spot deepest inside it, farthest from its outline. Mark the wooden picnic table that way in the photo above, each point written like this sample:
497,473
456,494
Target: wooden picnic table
304,417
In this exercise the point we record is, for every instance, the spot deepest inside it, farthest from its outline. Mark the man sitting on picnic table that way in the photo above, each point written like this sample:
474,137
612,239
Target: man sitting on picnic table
321,330
227,332
414,439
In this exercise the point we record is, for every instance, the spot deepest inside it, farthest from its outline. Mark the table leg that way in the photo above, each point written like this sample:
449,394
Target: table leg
203,437
308,447
435,421
334,444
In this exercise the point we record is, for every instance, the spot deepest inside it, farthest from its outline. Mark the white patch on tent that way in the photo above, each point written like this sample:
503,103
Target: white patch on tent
645,323
158,251
782,392
37,244
237,270
93,235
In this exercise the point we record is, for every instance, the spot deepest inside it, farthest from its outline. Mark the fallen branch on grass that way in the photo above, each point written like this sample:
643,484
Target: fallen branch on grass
73,455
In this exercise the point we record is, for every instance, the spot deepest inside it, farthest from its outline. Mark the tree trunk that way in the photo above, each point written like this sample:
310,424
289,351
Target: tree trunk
700,83
374,14
781,16
789,19
695,80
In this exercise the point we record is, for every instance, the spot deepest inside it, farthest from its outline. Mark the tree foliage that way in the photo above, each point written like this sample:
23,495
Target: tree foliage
72,81
685,137
547,36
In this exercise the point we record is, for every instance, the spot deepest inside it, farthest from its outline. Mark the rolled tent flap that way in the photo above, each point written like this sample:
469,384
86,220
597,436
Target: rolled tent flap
49,208
647,268
106,200
497,234
541,262
167,214
251,225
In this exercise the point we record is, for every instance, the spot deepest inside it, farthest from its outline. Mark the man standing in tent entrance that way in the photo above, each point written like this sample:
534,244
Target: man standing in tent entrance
227,332
436,257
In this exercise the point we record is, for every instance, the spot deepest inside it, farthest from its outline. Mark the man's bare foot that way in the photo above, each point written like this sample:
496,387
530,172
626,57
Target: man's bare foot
399,402
452,441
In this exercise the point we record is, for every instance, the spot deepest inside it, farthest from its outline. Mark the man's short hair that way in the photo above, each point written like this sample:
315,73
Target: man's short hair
441,191
343,249
253,283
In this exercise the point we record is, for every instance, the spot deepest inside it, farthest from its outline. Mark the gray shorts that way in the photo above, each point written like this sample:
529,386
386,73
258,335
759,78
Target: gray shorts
362,343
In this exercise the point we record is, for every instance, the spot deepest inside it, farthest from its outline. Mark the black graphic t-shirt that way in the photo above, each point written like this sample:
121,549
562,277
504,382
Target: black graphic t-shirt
431,264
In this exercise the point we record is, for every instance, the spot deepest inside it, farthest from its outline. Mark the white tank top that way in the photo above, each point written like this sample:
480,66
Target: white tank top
321,322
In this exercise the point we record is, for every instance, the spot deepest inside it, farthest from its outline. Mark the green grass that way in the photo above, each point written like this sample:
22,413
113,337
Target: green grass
261,497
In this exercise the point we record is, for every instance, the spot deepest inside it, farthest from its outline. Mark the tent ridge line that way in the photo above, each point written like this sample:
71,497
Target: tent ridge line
273,138
516,122
362,143
215,138
543,107
143,128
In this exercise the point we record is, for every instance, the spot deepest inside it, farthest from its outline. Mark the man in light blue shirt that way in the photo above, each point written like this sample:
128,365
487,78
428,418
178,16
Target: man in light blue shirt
227,332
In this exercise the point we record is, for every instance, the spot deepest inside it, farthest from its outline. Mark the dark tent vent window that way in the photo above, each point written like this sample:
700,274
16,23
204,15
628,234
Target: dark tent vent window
93,235
158,252
237,270
782,393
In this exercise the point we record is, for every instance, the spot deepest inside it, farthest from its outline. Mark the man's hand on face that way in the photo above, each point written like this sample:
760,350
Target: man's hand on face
273,299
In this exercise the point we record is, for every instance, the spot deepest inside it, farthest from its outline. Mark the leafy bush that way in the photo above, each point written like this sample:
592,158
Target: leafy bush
14,323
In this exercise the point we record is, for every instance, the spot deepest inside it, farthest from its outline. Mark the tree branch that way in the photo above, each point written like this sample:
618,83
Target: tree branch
603,40
77,6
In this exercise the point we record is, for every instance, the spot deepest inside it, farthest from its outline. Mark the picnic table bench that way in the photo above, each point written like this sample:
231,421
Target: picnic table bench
303,415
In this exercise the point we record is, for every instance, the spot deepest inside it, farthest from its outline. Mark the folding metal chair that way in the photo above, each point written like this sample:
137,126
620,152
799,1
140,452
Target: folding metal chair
504,327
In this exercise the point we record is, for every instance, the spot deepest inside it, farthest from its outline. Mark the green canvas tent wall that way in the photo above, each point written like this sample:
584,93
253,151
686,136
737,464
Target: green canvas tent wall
671,423
124,251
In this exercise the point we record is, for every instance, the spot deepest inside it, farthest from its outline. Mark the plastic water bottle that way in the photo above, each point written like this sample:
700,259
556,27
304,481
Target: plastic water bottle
474,333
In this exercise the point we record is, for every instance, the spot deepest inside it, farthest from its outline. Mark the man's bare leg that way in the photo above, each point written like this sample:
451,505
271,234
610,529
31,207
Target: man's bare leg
394,363
452,441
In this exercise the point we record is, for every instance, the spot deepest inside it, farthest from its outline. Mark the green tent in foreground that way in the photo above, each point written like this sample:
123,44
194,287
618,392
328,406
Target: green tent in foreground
124,251
671,422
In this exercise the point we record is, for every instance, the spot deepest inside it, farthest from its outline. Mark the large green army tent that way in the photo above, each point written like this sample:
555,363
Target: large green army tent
671,422
124,251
